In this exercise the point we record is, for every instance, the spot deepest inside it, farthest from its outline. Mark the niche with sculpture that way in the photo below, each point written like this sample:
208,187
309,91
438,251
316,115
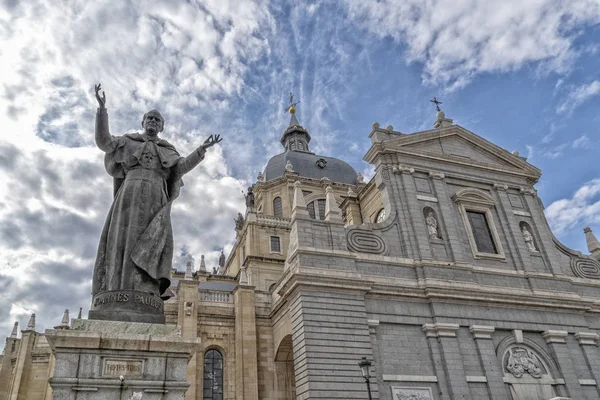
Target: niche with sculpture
528,238
431,222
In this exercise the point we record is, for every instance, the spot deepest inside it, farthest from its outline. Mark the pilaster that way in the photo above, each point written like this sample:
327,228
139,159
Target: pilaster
22,365
451,358
516,245
482,335
589,345
187,320
10,350
558,347
451,218
246,373
417,222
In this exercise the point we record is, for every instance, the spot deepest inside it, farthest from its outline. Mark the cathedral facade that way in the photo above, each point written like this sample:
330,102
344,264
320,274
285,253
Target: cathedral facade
441,271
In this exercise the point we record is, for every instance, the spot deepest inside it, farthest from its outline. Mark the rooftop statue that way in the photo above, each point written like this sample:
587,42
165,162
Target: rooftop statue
135,253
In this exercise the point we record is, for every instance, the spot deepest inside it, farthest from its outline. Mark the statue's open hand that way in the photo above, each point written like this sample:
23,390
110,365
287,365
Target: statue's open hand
211,141
101,100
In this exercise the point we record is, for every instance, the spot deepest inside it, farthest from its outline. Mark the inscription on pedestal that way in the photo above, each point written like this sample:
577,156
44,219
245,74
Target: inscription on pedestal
117,368
125,296
128,305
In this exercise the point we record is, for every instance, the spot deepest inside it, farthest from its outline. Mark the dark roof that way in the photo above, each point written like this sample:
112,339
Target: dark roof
305,164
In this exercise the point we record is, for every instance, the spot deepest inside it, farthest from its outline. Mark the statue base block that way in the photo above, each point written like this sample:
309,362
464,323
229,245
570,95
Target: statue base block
113,360
128,306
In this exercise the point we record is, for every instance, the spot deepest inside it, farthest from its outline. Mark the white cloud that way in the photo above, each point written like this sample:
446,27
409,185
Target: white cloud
456,40
578,96
581,142
583,208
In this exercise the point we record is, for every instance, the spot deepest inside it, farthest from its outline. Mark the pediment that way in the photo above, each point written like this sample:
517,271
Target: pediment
458,145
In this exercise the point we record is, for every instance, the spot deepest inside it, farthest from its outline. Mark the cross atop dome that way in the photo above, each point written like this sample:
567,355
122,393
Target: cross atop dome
295,137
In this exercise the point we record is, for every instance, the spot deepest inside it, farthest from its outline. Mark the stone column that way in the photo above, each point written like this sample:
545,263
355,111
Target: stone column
558,347
589,344
246,365
187,319
491,364
451,358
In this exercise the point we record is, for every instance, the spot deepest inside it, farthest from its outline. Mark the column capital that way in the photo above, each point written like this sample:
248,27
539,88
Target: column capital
436,175
501,186
587,338
528,191
555,336
440,329
482,331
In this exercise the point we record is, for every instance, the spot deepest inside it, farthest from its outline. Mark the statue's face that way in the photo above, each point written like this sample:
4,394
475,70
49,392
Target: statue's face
153,123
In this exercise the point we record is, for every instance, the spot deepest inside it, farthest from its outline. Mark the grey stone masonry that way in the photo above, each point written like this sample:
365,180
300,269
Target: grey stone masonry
330,334
558,348
451,358
589,344
110,360
482,335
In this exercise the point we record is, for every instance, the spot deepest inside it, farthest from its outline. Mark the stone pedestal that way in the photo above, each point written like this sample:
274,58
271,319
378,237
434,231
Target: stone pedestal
110,360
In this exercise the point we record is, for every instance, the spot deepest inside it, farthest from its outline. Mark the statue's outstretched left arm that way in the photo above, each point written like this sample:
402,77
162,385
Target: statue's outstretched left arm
188,163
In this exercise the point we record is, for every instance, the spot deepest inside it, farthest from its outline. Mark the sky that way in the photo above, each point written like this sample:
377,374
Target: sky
522,74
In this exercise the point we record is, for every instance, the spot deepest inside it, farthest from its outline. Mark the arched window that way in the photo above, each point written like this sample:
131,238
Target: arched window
277,209
213,375
380,216
316,209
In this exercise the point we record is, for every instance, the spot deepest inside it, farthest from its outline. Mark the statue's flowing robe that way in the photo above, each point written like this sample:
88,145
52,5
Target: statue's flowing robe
136,245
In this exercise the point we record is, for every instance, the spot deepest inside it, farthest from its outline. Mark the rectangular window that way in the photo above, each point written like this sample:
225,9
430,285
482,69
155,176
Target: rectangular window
321,204
311,209
275,244
481,232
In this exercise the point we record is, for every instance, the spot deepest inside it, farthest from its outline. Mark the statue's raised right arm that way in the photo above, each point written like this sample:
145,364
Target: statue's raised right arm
104,140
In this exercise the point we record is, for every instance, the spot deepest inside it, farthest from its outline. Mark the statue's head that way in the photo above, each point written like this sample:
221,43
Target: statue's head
153,122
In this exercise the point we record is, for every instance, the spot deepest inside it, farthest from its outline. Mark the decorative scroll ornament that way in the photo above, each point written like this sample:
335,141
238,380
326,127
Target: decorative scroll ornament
521,360
365,242
586,268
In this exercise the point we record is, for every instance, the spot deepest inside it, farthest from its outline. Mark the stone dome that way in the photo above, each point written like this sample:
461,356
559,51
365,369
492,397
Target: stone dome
311,165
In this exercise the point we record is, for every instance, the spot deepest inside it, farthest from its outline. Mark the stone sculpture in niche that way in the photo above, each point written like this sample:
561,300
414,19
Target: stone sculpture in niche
528,238
250,199
239,222
135,253
432,225
521,360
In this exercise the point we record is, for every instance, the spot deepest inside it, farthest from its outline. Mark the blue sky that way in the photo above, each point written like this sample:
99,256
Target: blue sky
523,75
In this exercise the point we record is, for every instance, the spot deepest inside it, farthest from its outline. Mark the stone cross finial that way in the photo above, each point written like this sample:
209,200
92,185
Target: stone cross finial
64,323
592,243
31,323
332,210
188,270
13,334
202,263
243,276
299,204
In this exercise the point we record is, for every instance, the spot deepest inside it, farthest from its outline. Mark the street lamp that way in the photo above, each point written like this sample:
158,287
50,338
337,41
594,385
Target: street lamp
365,368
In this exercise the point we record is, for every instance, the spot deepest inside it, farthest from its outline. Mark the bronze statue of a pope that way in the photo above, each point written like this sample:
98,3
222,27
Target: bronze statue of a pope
133,264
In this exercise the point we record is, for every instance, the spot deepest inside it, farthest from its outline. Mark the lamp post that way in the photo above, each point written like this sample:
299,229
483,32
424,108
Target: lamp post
365,368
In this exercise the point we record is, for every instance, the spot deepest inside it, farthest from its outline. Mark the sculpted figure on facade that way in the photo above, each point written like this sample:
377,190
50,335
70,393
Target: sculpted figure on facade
136,245
250,199
528,238
432,225
521,360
